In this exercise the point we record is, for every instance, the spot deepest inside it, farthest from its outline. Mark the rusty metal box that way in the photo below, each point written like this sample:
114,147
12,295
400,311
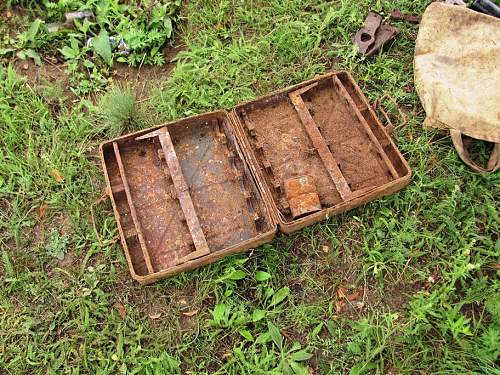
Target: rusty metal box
192,191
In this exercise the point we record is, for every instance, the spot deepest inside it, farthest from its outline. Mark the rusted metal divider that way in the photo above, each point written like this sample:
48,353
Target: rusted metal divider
183,195
133,212
373,138
319,142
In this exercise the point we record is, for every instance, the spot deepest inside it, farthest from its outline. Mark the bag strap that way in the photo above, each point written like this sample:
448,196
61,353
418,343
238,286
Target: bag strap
493,163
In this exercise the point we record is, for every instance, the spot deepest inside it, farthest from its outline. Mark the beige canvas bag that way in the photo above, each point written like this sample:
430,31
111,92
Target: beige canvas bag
457,76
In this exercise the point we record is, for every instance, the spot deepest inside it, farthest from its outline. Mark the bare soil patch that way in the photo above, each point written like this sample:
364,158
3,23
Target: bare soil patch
146,78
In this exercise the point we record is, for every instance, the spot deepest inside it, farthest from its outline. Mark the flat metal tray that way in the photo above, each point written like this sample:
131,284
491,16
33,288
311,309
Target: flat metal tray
192,191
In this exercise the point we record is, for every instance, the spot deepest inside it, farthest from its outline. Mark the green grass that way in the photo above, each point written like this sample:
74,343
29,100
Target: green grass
424,260
85,44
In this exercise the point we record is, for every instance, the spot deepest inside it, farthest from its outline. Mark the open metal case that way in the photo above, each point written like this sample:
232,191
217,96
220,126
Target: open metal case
192,191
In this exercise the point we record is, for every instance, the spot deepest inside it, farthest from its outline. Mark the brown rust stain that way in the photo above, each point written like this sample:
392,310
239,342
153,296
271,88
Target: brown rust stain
302,196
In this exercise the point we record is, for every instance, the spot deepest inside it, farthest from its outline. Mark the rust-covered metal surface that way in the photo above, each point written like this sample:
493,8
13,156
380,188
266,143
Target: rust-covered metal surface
323,128
183,196
302,196
190,192
374,34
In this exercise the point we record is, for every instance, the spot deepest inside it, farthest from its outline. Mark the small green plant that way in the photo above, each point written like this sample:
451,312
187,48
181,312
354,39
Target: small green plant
26,44
232,274
235,317
57,244
132,32
118,110
266,293
371,337
280,359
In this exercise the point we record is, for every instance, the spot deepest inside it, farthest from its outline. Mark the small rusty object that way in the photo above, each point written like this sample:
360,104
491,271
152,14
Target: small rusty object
365,37
384,34
396,14
374,34
302,196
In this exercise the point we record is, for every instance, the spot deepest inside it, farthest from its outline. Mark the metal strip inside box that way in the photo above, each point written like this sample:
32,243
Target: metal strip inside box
192,191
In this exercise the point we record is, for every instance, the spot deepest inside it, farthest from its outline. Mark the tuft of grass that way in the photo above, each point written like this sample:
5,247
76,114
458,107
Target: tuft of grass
118,110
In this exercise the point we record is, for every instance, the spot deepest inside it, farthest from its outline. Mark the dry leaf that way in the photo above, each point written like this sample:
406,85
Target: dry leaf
104,197
154,315
40,211
341,292
191,313
353,296
495,265
358,304
57,175
120,308
339,306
